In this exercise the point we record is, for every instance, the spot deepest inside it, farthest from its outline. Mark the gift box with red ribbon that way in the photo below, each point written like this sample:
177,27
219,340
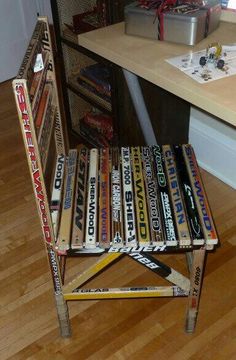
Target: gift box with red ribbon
179,21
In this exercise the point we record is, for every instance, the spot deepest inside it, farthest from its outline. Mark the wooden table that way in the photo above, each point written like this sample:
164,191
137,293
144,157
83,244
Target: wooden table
146,58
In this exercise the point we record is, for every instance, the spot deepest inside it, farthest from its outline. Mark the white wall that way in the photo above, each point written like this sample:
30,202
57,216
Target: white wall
44,9
17,22
232,4
215,145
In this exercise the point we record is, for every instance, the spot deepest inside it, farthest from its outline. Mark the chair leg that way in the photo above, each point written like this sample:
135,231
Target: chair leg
196,278
62,264
189,259
63,316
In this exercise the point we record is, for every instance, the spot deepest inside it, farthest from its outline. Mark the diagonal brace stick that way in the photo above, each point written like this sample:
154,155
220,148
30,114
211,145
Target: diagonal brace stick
162,270
94,269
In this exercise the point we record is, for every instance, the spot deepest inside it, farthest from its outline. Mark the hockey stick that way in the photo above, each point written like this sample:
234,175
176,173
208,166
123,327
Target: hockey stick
152,198
195,225
63,243
142,219
125,293
168,216
55,204
200,197
116,201
104,199
162,270
78,227
128,198
92,201
176,197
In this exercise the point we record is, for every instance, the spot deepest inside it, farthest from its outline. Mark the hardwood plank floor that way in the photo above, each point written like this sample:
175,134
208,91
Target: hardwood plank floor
115,329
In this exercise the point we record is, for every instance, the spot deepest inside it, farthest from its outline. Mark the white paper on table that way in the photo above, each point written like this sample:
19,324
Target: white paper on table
189,64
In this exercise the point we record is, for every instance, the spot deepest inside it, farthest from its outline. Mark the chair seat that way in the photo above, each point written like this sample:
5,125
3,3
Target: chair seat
134,199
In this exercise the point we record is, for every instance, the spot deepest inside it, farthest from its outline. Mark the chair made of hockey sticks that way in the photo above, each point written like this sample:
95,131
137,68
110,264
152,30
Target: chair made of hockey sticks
156,196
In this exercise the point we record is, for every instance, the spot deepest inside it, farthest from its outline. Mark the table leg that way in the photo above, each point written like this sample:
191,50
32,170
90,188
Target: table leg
140,107
163,117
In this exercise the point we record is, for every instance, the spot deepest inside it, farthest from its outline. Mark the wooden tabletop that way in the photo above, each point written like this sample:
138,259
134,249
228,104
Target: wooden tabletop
146,58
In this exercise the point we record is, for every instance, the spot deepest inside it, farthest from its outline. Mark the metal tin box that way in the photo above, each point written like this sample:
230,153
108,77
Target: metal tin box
213,15
186,29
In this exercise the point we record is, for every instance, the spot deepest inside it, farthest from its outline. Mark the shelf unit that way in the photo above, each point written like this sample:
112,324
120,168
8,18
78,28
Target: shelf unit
169,113
74,58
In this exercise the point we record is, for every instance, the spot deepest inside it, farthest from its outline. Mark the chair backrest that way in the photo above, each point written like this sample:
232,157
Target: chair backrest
36,95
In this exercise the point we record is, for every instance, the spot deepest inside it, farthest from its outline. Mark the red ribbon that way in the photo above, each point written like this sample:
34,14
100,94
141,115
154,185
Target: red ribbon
164,5
160,14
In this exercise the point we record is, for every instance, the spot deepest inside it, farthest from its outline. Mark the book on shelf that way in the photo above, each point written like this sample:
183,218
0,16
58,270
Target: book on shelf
91,20
97,129
69,33
103,12
98,74
100,122
92,136
85,86
101,90
86,21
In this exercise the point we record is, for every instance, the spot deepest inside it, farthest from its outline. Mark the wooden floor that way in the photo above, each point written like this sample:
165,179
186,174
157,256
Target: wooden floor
120,329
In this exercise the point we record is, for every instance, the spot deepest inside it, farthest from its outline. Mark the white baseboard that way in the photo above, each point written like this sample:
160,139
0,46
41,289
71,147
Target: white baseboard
215,146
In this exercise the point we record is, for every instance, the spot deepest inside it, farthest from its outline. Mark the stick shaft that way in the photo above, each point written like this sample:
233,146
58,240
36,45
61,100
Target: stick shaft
167,212
200,196
104,199
78,228
142,219
56,198
92,201
152,198
116,202
64,236
176,197
128,195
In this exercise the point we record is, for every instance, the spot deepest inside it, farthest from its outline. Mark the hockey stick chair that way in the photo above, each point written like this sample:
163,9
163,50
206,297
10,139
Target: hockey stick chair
160,189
